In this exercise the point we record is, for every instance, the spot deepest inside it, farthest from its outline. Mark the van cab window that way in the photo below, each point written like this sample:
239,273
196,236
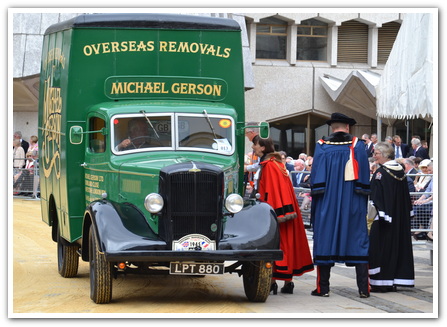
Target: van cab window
132,133
97,141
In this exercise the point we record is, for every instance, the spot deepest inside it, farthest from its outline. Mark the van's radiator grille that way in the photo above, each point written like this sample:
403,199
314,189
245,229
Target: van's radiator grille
193,202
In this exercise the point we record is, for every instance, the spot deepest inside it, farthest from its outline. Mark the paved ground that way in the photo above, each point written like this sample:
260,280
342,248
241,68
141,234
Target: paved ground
37,288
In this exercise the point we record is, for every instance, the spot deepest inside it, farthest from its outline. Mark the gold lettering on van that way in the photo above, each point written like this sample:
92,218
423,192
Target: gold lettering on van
51,114
93,184
161,87
54,55
51,132
162,46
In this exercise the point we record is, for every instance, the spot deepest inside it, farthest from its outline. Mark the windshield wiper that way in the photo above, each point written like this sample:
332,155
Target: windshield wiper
149,122
209,123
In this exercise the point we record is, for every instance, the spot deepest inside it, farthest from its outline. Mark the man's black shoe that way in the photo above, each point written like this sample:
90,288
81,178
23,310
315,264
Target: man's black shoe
316,293
364,295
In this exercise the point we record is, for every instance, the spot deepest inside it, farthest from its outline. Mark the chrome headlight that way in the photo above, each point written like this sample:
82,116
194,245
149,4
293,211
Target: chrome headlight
153,203
234,203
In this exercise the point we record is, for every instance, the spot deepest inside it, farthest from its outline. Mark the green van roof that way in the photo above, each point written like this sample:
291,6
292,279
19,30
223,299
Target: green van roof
145,20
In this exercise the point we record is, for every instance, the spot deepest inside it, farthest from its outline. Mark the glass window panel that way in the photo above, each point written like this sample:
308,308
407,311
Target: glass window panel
279,29
263,29
303,30
270,47
271,39
319,31
97,141
312,48
135,133
196,132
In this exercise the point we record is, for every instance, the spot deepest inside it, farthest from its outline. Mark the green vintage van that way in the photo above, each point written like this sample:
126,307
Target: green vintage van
141,125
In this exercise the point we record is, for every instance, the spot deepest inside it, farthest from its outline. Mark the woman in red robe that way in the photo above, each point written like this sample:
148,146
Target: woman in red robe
275,187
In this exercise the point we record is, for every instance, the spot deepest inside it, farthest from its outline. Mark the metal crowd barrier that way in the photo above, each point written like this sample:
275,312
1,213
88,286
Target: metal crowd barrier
26,182
421,222
423,214
304,200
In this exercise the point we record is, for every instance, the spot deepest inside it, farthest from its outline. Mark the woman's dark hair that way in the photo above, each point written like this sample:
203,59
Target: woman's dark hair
267,143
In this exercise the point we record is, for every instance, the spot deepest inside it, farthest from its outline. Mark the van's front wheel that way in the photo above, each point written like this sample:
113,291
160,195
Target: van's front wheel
100,272
257,279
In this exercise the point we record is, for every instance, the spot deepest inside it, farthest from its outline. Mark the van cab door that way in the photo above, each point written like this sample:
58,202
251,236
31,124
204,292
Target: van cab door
96,158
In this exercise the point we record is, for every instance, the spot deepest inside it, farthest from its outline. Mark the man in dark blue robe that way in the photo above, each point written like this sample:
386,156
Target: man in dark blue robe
340,188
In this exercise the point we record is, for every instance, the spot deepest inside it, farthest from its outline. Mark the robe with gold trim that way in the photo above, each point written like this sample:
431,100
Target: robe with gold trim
339,206
275,188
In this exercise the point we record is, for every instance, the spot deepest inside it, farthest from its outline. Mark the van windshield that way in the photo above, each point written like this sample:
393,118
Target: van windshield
190,132
214,133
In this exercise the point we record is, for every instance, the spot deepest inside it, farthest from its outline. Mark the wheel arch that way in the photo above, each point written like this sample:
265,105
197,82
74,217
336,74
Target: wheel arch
53,217
87,222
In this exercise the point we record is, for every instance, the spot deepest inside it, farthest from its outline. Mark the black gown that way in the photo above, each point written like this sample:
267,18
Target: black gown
390,249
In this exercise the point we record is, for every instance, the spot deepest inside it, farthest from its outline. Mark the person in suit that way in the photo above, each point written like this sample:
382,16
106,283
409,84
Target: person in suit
374,139
401,150
410,181
409,168
369,146
289,166
418,149
305,181
298,177
299,180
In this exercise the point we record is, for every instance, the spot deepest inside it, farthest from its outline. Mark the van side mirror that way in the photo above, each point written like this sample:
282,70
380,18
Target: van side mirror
264,130
76,135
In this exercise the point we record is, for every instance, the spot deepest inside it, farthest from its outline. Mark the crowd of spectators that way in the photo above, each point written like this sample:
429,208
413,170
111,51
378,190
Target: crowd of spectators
418,168
25,164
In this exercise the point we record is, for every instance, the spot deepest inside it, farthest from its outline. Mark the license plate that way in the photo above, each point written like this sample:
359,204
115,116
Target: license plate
196,268
194,242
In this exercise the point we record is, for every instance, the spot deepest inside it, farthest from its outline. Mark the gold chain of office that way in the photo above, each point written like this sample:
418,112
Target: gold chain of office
394,176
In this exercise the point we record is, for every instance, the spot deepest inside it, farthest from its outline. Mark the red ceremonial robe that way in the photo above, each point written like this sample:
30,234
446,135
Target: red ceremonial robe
275,188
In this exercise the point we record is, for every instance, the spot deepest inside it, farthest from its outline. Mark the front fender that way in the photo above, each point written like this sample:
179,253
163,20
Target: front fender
255,227
120,227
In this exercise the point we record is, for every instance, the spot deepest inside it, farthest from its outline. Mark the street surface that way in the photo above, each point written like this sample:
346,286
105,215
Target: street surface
38,289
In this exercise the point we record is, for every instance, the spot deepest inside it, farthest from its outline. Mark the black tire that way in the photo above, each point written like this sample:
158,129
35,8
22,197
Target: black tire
257,280
100,272
67,257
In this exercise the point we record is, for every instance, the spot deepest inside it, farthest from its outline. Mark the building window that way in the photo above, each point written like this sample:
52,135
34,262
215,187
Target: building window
352,42
312,40
386,36
271,39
